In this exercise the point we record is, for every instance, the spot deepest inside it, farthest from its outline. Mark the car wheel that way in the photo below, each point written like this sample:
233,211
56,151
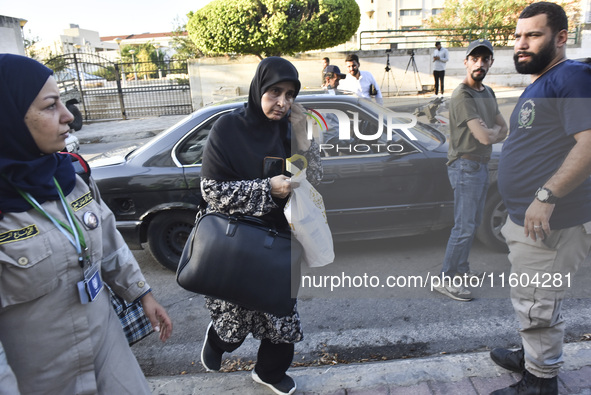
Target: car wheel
493,219
167,234
76,124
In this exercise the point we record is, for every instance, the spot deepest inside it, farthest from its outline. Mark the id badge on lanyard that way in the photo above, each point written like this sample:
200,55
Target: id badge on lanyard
92,285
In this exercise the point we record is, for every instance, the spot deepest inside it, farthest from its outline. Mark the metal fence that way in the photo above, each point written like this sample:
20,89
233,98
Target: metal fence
107,90
425,38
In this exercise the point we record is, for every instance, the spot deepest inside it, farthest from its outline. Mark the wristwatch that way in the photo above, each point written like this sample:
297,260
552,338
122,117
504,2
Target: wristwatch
545,195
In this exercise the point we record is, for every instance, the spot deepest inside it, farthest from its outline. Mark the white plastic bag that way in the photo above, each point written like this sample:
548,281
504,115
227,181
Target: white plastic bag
306,216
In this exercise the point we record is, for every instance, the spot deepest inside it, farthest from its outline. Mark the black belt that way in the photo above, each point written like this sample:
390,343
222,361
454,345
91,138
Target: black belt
476,158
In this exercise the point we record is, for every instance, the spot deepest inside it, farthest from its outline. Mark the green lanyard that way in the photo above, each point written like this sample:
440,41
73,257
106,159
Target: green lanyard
78,241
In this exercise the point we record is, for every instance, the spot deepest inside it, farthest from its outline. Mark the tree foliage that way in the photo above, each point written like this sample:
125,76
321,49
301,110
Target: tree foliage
143,63
109,73
467,20
272,27
183,46
56,63
29,43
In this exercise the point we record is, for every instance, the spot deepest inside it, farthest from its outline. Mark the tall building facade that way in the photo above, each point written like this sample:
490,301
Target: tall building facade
396,14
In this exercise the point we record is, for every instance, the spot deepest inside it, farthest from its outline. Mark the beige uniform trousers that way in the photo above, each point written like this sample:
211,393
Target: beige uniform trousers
545,270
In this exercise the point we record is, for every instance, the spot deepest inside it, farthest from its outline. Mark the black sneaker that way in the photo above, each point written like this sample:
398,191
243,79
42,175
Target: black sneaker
510,360
285,386
531,385
211,359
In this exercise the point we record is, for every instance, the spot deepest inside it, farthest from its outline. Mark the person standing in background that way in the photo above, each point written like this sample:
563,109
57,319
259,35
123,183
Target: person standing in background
331,78
475,124
440,58
360,82
325,63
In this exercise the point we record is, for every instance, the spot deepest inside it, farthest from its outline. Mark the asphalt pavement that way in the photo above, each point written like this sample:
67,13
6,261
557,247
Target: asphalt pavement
463,374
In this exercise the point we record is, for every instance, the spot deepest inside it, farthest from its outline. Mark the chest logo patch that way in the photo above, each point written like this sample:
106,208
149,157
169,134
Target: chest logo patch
19,234
527,114
82,201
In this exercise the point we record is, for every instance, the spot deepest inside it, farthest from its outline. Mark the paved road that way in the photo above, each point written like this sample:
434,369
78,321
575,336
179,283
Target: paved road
364,323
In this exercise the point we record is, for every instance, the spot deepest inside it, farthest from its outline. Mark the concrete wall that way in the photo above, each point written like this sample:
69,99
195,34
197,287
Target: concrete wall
11,36
213,79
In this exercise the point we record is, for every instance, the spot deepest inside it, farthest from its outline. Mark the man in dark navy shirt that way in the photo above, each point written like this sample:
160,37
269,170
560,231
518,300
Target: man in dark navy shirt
544,181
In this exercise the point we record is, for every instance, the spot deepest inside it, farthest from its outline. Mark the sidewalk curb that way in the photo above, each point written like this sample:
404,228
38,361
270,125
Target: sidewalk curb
472,373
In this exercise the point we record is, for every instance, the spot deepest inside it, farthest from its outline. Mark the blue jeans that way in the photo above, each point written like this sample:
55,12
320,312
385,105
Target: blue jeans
469,180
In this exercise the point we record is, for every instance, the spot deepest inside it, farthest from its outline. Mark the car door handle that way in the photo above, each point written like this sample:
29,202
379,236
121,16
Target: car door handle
329,179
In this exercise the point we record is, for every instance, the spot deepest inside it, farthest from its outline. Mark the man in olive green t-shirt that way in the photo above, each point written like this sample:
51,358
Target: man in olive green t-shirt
475,124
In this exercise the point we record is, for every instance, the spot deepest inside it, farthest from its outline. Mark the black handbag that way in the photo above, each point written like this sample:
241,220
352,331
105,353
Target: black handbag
243,260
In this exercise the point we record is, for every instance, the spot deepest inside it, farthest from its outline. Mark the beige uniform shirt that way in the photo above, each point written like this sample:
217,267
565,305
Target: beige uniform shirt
53,343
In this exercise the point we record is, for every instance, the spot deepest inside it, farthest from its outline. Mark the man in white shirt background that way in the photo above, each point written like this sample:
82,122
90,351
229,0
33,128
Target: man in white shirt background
440,58
360,82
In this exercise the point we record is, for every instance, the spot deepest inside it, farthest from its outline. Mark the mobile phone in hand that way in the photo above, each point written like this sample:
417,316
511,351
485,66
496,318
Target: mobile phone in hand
273,166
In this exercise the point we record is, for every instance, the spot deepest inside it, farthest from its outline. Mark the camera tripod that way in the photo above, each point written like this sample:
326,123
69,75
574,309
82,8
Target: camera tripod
388,74
412,62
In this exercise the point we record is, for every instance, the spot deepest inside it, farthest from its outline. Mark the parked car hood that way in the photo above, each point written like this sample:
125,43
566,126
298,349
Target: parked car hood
113,157
102,160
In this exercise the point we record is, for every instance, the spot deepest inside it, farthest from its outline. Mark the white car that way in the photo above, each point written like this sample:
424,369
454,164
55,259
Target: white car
72,144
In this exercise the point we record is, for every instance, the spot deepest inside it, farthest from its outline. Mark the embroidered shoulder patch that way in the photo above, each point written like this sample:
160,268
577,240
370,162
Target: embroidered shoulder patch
19,234
82,201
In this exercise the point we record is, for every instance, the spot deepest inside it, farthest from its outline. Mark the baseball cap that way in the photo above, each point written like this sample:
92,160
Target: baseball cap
334,69
479,43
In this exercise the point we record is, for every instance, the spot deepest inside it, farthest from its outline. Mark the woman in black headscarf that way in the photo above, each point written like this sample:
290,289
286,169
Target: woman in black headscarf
235,180
58,333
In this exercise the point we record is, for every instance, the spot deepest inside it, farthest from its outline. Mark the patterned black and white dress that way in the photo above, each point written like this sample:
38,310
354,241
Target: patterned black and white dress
231,322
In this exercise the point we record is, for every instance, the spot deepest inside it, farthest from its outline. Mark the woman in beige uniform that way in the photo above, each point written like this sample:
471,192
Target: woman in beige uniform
58,244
